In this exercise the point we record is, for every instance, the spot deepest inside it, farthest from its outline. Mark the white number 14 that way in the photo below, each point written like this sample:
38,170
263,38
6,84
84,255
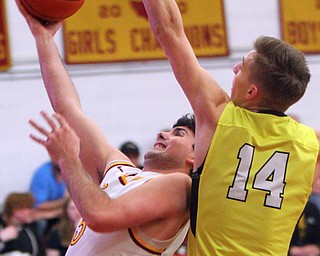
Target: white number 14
270,177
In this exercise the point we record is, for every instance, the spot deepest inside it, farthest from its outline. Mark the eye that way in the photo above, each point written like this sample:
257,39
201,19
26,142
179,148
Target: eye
180,133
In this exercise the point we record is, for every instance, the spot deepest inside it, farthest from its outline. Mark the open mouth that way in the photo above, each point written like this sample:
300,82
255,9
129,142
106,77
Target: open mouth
159,145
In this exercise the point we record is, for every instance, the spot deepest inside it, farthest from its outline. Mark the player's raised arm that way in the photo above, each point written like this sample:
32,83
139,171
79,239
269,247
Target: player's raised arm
95,149
63,146
204,94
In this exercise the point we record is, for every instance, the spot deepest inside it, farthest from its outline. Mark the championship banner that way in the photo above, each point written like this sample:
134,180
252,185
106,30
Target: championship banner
300,24
114,31
5,62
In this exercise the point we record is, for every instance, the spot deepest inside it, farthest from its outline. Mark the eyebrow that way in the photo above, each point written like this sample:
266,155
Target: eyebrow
242,63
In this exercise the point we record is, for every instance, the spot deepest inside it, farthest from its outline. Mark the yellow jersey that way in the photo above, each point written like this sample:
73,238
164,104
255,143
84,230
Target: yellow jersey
253,186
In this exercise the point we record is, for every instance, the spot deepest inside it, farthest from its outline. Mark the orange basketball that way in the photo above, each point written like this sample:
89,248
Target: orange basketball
52,10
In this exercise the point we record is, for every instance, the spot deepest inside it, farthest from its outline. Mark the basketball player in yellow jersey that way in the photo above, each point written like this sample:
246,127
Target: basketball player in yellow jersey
253,164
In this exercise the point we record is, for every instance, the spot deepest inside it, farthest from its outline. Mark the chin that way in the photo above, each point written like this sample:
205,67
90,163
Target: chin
148,155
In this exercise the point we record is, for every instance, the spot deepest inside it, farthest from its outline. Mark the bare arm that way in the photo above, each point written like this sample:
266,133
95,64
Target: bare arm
124,212
163,198
204,94
95,149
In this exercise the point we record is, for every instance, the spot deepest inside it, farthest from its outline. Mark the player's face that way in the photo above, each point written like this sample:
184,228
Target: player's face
241,82
171,150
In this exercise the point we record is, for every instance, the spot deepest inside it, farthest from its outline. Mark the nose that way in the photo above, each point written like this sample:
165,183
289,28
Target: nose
236,68
162,135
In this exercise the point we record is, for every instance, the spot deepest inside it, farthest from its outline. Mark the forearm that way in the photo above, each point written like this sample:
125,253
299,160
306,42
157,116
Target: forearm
60,89
87,196
167,26
59,86
164,18
65,100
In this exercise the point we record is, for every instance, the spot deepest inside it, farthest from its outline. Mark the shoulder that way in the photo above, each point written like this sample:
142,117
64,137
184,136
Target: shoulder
169,185
174,182
177,176
120,165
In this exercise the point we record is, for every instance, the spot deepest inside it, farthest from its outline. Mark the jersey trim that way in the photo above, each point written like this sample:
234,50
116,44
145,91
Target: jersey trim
195,177
271,112
142,244
115,163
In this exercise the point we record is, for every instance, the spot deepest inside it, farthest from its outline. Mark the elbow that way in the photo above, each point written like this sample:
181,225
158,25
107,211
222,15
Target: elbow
99,223
95,226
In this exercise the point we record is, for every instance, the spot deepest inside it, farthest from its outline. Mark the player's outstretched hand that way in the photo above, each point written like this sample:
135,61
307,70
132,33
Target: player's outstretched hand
62,142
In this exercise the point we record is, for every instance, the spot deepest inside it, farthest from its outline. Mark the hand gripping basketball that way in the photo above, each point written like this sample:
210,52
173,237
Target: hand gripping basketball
52,10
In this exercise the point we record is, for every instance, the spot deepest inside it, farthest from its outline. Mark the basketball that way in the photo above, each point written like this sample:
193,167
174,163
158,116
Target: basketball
52,10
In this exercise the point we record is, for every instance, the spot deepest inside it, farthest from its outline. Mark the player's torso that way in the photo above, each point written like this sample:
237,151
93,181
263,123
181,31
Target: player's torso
119,179
253,189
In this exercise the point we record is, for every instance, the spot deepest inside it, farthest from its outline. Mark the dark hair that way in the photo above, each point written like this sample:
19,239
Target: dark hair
187,120
130,149
280,71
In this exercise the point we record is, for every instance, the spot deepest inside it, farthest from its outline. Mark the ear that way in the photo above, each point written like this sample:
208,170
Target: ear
190,161
252,92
